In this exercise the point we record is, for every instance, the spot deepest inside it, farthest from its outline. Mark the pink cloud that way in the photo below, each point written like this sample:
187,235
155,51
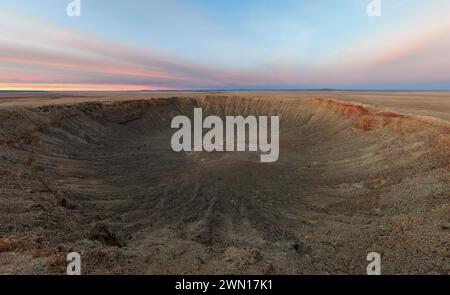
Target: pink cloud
34,53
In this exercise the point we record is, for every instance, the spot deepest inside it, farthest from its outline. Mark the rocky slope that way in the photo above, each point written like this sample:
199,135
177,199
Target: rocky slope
101,179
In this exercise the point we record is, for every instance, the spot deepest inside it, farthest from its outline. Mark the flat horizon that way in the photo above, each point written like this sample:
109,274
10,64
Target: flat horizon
227,90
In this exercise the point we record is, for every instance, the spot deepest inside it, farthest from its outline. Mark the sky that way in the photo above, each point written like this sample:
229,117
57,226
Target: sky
229,44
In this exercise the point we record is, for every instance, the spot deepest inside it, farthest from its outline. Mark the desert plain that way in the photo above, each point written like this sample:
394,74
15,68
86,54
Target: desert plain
94,173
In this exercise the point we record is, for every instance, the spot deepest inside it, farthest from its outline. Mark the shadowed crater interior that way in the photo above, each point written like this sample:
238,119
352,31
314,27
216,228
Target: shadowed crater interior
101,179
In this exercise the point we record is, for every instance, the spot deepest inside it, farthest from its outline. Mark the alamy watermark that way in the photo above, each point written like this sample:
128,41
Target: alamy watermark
235,138
74,266
374,267
374,8
74,8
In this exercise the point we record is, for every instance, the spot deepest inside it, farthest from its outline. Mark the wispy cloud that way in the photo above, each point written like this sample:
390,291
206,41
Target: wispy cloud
36,54
34,46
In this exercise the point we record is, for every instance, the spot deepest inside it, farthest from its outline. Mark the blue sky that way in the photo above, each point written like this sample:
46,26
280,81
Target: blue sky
236,44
